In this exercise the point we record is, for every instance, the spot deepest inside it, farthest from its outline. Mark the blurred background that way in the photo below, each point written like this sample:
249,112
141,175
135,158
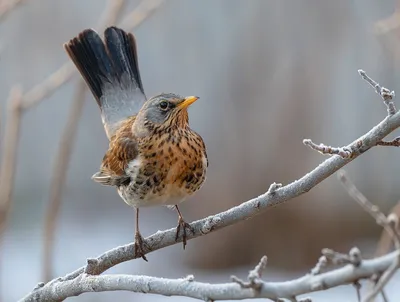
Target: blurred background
269,73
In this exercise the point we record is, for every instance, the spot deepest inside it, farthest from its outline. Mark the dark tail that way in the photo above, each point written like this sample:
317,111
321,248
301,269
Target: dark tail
102,64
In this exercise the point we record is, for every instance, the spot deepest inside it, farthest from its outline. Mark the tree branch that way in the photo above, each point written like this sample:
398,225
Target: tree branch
390,225
84,283
9,155
7,6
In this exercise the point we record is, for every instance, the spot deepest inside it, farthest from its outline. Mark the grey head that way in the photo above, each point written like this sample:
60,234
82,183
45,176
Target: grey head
163,111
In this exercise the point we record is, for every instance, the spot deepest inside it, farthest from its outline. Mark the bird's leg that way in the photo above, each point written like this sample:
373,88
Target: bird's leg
139,241
184,225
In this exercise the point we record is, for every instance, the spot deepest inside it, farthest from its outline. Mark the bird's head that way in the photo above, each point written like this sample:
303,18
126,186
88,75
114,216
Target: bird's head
164,111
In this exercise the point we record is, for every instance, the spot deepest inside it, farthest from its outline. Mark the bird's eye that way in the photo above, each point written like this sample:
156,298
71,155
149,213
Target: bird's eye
164,105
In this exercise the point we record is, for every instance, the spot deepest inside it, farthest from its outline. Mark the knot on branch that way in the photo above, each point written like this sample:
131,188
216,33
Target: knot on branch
189,278
91,266
354,257
39,285
274,187
210,223
317,269
393,221
254,276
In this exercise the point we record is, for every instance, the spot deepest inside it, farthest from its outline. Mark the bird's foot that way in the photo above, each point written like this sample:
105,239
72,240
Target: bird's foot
182,224
140,246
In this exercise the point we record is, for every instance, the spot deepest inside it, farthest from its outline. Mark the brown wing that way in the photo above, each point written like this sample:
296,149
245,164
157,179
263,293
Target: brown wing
122,150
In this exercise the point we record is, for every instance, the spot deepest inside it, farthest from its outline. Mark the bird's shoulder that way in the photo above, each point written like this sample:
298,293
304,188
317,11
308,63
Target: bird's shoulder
122,150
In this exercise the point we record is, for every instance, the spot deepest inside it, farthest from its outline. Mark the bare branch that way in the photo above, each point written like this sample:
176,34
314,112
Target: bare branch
58,178
390,224
357,286
7,6
385,93
324,149
322,263
145,9
385,242
254,277
63,156
61,289
392,143
383,280
370,208
9,154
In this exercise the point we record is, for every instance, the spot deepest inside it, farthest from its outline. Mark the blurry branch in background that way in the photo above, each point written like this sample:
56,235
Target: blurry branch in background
6,6
390,225
385,242
87,279
389,24
58,178
65,147
9,154
145,9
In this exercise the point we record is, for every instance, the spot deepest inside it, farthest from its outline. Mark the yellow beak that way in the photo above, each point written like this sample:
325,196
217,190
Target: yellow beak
188,101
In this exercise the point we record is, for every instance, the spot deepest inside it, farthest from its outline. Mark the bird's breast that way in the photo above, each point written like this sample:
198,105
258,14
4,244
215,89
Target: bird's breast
166,172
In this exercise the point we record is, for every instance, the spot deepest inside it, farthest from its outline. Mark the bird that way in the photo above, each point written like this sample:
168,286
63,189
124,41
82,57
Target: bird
153,158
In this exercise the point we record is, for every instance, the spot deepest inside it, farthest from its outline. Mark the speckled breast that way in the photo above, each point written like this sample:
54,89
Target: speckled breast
166,172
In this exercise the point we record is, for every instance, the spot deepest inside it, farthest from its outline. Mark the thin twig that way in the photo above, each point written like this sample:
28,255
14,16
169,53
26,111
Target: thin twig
383,280
393,143
9,154
317,269
254,277
46,88
385,241
370,208
389,224
63,156
328,150
357,286
7,6
385,93
145,9
58,178
384,296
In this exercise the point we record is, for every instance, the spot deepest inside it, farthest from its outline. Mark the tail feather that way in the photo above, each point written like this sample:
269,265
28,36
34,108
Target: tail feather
122,50
111,71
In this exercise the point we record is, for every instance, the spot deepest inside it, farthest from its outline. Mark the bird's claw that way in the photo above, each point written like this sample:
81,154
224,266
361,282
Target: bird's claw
184,225
140,246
